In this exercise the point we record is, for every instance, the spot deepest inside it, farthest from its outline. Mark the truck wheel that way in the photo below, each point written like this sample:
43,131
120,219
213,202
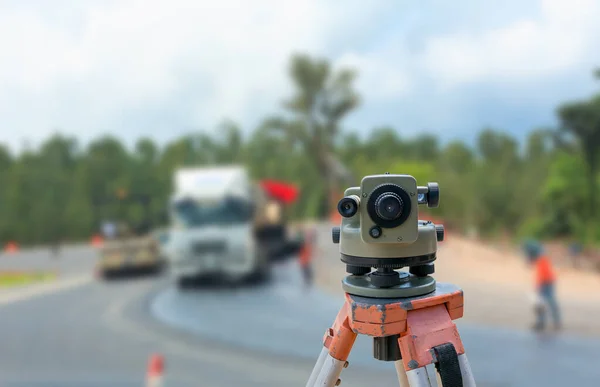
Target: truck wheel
107,275
265,274
262,272
183,283
156,270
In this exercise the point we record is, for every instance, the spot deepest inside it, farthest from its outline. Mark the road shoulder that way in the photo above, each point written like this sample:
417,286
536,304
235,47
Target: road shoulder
23,293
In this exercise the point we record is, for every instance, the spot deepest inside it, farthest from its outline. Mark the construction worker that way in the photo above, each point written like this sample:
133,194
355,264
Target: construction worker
305,258
55,247
109,229
575,250
545,285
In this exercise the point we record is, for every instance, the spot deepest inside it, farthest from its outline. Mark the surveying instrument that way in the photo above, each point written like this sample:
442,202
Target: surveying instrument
408,314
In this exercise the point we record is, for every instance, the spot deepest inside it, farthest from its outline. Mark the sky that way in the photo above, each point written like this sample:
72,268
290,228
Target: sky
162,69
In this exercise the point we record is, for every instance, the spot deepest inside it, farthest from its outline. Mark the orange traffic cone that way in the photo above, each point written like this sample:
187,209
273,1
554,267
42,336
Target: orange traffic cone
11,247
335,217
156,367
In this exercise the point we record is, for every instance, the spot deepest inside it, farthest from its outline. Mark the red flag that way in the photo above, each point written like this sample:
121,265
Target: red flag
284,192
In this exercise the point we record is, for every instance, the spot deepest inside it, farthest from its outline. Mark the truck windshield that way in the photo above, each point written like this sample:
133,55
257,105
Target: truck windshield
193,213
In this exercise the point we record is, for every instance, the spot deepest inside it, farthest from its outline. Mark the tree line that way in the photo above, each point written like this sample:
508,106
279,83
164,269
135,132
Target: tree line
545,187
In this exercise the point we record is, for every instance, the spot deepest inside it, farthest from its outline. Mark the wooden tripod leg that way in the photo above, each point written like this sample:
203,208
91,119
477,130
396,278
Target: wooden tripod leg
429,331
337,344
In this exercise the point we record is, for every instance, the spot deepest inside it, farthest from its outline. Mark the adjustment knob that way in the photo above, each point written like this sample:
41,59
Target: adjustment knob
357,270
335,234
439,232
433,195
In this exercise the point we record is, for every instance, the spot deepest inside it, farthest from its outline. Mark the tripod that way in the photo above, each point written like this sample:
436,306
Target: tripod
416,332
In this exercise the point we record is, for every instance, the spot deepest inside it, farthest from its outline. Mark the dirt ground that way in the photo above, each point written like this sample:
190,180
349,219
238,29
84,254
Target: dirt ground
498,286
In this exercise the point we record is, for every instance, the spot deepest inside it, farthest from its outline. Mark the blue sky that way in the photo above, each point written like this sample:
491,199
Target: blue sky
160,69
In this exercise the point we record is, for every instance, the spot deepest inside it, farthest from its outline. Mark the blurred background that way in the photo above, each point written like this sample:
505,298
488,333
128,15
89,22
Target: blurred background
103,104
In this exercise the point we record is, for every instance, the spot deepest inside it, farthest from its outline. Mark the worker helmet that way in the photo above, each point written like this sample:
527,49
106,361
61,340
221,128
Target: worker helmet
532,249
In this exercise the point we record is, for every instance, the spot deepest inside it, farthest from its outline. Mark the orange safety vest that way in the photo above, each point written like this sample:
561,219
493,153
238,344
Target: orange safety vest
307,249
544,272
305,254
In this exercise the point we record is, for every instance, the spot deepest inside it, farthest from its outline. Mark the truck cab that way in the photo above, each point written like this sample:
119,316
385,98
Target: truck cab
215,216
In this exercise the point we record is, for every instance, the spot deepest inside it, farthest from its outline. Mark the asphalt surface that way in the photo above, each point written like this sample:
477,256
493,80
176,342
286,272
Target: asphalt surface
292,317
101,334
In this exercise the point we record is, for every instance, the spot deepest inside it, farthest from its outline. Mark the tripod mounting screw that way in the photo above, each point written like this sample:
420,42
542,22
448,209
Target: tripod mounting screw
385,278
439,232
335,234
386,348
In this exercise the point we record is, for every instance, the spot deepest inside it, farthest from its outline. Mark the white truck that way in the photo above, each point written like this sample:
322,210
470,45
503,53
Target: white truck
215,216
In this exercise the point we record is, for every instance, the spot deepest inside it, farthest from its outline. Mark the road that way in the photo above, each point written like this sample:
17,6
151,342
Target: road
292,317
101,334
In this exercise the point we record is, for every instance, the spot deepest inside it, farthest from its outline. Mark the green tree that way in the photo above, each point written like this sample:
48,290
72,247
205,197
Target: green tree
145,185
582,120
563,212
533,174
64,191
230,143
423,147
495,205
322,98
52,177
455,174
6,161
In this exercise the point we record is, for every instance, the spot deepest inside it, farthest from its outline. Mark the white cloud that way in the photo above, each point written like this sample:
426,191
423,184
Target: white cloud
153,67
379,77
129,54
526,49
454,75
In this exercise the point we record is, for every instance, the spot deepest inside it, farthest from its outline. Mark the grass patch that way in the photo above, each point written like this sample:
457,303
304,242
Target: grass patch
16,278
